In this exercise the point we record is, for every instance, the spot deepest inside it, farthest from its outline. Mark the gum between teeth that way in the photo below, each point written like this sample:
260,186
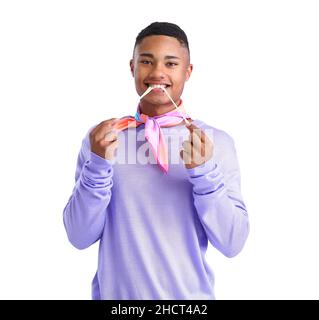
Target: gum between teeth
152,86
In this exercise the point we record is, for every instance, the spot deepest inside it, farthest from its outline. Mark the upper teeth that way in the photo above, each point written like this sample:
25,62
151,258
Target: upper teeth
158,85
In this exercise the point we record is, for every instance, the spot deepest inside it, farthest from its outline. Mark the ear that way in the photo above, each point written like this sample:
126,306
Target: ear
132,67
189,71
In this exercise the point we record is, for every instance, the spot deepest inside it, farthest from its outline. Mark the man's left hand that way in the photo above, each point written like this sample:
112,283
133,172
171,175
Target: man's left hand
197,149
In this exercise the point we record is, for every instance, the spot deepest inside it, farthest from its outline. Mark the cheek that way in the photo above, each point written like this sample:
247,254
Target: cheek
179,79
140,73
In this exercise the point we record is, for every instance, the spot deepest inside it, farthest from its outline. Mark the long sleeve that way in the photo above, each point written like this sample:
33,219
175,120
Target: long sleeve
84,214
218,199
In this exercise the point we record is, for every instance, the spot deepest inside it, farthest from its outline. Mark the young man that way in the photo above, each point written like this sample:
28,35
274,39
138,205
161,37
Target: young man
155,188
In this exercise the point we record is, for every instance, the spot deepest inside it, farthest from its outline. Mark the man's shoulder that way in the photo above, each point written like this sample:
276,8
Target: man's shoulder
215,133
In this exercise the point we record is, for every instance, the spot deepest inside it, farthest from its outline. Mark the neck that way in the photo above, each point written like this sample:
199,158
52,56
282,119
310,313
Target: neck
153,110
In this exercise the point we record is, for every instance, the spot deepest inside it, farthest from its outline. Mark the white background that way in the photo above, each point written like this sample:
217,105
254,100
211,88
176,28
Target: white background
64,66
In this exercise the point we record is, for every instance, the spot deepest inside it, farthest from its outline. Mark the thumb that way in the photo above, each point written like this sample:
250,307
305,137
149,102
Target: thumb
191,127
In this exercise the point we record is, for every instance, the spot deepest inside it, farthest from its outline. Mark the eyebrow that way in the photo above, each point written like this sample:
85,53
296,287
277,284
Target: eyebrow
150,55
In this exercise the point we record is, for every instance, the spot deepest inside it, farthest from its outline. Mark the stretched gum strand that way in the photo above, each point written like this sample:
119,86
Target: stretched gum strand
187,122
149,89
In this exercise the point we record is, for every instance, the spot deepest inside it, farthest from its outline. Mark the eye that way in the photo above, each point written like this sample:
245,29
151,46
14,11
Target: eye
145,61
171,64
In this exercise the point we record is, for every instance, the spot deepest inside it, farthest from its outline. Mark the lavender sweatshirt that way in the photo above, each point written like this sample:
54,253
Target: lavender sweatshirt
153,228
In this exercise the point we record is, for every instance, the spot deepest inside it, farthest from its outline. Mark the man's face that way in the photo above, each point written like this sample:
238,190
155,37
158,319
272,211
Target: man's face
160,60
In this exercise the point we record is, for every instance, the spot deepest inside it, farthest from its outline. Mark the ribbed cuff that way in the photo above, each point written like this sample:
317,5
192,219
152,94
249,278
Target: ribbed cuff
206,178
98,167
204,168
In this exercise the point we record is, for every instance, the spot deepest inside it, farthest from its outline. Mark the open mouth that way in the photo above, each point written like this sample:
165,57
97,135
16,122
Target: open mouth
157,85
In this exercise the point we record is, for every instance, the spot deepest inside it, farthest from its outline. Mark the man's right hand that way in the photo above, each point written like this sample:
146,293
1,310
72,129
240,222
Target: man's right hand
103,139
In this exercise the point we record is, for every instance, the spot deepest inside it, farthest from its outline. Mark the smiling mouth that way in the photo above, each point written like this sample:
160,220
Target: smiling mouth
157,86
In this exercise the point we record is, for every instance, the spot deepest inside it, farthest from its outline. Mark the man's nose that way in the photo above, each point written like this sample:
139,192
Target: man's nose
157,71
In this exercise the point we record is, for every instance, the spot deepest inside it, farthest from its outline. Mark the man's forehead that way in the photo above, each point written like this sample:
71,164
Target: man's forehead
161,46
151,55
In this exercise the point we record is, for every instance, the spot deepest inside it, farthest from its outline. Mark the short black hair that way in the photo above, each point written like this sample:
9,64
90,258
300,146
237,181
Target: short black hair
163,29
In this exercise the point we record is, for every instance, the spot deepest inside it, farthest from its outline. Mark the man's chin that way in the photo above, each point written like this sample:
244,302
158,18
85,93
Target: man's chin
158,102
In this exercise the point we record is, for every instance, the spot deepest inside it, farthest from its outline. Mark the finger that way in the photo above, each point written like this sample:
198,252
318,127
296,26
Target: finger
201,147
191,152
197,158
186,157
110,136
105,128
207,149
113,145
186,152
110,150
100,130
196,154
104,124
101,124
103,144
199,132
196,141
187,146
191,127
107,140
106,144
